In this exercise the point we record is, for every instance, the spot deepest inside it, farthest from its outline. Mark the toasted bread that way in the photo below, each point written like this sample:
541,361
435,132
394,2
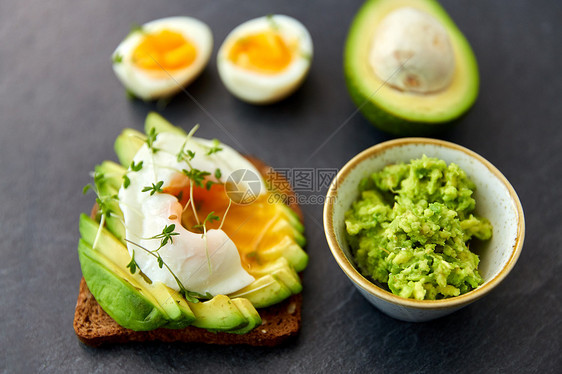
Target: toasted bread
280,322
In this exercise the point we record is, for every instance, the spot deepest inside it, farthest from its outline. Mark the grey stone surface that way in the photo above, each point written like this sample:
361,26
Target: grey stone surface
61,108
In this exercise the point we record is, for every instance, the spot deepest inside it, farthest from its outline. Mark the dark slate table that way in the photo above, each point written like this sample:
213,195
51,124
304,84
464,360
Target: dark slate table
61,108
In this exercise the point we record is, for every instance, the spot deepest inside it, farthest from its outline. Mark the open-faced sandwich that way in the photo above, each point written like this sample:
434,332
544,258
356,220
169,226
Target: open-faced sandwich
188,241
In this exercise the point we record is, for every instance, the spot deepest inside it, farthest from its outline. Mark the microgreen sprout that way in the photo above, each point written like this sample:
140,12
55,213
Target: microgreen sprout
215,148
191,296
102,200
117,58
136,167
133,167
132,265
272,23
165,236
150,139
196,175
211,217
156,187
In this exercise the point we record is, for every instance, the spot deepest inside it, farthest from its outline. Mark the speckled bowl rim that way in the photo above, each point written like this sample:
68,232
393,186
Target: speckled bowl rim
350,270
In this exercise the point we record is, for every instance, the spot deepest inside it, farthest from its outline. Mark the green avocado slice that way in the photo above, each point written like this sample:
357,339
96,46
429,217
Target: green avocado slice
160,124
249,312
122,299
127,145
391,109
289,249
283,271
218,314
292,217
264,291
112,173
108,246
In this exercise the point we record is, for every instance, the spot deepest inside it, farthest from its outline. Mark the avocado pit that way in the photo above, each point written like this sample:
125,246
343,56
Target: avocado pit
411,51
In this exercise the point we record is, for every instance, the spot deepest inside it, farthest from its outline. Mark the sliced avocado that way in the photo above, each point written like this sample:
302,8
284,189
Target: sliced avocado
292,216
114,220
282,270
249,312
264,291
109,186
218,314
113,173
127,145
186,315
404,110
285,225
117,253
288,249
129,305
160,124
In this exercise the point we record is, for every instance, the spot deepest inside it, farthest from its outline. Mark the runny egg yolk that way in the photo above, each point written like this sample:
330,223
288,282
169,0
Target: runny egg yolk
165,49
265,52
248,226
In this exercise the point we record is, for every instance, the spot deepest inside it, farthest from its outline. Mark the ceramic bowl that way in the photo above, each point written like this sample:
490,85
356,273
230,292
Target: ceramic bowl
495,200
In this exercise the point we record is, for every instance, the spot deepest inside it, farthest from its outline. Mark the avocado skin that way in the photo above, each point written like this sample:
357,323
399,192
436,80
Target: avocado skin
399,123
392,124
119,298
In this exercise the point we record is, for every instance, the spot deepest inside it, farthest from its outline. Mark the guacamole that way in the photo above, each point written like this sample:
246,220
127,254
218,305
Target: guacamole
411,226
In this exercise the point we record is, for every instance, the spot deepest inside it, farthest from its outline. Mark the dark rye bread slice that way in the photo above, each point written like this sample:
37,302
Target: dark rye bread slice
95,327
280,322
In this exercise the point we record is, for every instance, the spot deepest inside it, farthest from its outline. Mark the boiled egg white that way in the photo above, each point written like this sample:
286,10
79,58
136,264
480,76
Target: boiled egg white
265,59
162,56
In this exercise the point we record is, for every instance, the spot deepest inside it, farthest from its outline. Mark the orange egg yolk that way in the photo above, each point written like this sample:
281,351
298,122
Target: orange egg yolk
264,52
248,226
165,49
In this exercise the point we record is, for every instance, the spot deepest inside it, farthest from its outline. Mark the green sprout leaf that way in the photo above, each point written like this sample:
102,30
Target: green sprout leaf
136,167
165,236
130,94
272,23
132,266
117,58
154,188
150,139
191,296
86,188
215,148
196,175
211,217
185,155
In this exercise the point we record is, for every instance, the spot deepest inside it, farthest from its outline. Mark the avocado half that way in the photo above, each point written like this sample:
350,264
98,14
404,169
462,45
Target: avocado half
391,109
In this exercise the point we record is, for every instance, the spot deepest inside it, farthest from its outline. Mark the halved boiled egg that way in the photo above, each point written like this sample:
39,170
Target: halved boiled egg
162,56
265,59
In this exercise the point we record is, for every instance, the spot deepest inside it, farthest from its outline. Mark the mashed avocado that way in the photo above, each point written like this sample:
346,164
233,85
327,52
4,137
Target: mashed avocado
411,226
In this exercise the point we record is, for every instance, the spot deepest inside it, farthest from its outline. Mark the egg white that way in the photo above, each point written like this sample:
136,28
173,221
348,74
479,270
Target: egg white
259,88
147,86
